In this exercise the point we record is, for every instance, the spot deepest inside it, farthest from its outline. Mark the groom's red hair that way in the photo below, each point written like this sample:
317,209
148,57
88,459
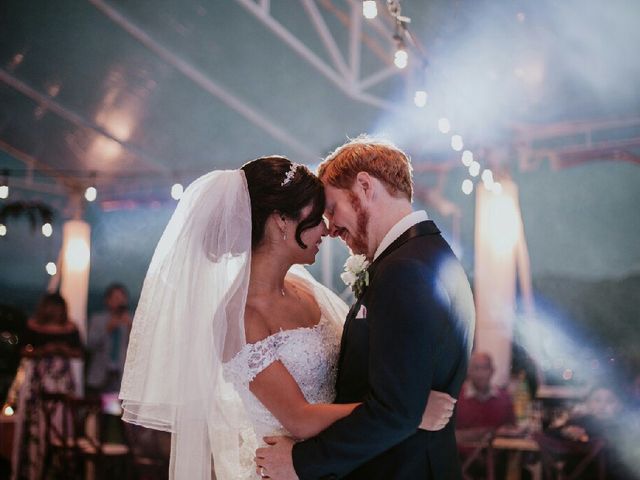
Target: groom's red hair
378,158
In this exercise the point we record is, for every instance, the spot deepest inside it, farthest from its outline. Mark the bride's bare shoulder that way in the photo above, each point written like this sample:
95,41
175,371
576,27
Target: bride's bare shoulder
255,324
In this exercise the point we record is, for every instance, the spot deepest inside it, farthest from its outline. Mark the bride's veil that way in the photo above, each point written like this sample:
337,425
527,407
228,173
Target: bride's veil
190,321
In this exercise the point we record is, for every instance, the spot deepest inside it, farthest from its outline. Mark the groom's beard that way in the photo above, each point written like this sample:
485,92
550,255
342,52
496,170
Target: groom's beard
360,240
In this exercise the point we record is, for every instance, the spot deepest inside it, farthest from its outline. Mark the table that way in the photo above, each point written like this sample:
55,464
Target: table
516,446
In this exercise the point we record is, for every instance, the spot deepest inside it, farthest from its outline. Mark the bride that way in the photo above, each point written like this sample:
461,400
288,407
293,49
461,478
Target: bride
232,340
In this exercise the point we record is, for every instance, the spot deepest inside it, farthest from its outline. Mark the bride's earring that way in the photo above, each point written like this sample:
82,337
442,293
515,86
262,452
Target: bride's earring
284,235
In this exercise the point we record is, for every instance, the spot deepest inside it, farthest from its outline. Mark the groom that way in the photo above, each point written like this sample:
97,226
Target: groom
410,331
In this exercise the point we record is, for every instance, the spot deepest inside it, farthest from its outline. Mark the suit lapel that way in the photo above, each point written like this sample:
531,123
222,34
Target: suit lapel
343,341
418,230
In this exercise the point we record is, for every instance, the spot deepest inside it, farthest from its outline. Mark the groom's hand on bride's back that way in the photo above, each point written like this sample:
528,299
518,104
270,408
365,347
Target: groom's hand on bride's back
438,411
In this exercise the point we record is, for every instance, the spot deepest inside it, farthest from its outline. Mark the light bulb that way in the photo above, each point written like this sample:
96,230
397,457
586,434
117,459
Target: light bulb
487,178
467,158
467,186
443,125
401,58
420,98
47,229
369,9
3,230
176,191
474,169
51,268
456,143
4,191
91,194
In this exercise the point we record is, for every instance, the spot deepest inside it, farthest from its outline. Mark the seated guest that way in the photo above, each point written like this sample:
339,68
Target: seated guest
602,417
481,409
481,406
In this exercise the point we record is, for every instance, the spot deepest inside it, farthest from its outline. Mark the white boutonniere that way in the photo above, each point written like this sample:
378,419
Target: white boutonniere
356,274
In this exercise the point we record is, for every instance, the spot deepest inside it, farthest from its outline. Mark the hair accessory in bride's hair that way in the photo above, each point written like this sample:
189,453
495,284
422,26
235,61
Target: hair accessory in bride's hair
290,174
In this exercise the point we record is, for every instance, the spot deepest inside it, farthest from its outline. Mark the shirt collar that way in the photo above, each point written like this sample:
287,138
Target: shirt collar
471,392
399,228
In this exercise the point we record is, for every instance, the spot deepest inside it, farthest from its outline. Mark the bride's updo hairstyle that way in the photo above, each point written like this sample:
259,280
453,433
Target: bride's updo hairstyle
265,177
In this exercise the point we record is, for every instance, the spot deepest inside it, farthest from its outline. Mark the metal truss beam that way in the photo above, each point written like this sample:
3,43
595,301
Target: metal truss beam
259,119
74,118
343,77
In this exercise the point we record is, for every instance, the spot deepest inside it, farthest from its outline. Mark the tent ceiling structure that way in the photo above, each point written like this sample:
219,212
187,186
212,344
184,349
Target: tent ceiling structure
106,91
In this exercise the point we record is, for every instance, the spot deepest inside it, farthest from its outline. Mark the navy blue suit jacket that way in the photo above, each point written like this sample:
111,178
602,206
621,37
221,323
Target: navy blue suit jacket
416,336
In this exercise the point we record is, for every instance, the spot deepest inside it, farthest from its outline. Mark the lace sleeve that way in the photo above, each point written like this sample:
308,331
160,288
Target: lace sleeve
254,358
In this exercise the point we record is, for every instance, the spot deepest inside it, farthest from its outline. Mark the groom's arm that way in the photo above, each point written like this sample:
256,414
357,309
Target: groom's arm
408,311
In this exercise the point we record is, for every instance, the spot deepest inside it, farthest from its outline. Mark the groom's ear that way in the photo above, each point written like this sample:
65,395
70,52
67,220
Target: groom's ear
365,184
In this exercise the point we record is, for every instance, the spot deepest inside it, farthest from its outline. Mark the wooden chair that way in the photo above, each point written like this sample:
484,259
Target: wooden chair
564,459
480,456
150,451
72,438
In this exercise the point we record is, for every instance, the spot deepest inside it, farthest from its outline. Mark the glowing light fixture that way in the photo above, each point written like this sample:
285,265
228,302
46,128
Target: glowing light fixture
503,222
420,98
456,142
7,411
443,125
467,186
3,230
176,191
47,229
77,254
467,158
369,9
51,268
474,169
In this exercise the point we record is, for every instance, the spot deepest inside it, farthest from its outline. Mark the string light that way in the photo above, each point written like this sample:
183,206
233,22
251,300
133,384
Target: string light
176,191
443,125
3,230
401,57
487,178
467,186
47,229
467,158
369,9
90,194
51,268
420,98
457,143
4,187
474,169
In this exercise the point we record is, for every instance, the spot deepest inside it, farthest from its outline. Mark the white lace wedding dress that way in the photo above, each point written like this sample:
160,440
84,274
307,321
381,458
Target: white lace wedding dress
310,354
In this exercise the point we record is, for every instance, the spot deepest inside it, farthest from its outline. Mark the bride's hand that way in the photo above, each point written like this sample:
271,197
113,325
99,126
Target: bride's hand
438,411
